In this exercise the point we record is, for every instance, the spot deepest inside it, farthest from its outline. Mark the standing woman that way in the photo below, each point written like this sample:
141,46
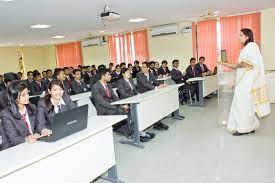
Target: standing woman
55,101
19,118
250,96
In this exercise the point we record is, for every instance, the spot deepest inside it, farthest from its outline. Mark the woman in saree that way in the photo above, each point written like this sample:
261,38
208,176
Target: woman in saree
250,100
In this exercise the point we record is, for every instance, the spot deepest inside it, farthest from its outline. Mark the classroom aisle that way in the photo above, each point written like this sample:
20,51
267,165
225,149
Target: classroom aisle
196,150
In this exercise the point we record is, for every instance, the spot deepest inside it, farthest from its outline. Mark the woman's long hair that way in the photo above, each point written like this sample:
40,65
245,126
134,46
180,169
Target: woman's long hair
14,91
47,97
249,34
123,71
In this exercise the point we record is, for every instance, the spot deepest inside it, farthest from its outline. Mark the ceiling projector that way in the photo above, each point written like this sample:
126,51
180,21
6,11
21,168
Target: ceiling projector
110,16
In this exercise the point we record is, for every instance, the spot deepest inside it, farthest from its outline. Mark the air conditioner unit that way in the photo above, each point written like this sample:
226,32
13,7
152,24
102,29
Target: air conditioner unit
164,30
186,29
96,41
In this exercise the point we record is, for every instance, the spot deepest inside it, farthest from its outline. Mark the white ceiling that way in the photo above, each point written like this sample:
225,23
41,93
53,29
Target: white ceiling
79,18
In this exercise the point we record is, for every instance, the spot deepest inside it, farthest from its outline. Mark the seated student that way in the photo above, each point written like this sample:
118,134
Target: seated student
130,67
29,79
8,78
191,71
156,65
4,144
146,82
102,97
49,76
164,70
60,74
94,78
69,77
86,74
136,69
127,88
202,68
178,77
37,86
55,101
153,70
44,76
116,73
78,86
122,65
19,76
19,118
111,65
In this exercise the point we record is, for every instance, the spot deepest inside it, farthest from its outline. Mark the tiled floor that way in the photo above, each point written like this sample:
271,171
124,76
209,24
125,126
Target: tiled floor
197,150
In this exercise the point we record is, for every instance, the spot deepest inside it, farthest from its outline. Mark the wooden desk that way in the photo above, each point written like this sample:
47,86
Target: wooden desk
81,157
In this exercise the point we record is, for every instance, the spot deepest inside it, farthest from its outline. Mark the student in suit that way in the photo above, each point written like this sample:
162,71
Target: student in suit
103,96
164,70
8,78
49,78
191,71
60,74
20,76
44,76
29,79
122,65
55,101
157,65
146,82
178,77
78,86
19,118
95,78
67,72
136,69
153,70
130,67
4,144
111,65
202,68
38,87
126,86
116,73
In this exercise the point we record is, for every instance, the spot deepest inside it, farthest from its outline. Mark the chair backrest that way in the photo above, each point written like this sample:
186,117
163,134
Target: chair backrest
91,108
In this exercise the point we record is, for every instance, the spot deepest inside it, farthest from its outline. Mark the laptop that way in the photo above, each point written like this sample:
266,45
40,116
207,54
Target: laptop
67,123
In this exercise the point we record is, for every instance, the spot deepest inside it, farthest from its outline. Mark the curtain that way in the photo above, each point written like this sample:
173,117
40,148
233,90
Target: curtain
230,31
141,46
205,42
128,47
69,54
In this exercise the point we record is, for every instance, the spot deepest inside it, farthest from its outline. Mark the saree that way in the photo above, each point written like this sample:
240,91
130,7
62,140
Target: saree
250,101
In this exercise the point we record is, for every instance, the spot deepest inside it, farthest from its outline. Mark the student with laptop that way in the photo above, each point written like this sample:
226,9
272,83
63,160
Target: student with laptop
78,86
19,118
146,81
55,101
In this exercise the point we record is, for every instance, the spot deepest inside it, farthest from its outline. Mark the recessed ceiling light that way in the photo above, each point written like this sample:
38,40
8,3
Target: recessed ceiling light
102,31
6,0
40,26
135,20
216,12
58,37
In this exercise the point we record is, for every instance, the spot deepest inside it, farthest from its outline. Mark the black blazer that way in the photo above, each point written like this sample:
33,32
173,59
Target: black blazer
125,90
100,99
93,80
177,76
161,71
136,70
86,78
44,115
3,99
144,85
78,88
115,75
2,86
67,88
36,89
155,72
14,126
199,69
4,144
28,83
190,73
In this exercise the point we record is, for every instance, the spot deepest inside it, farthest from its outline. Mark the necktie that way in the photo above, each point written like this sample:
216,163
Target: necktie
107,91
24,119
59,108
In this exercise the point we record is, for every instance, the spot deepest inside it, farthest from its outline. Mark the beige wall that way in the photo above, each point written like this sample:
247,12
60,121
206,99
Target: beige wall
96,55
172,47
268,38
39,58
